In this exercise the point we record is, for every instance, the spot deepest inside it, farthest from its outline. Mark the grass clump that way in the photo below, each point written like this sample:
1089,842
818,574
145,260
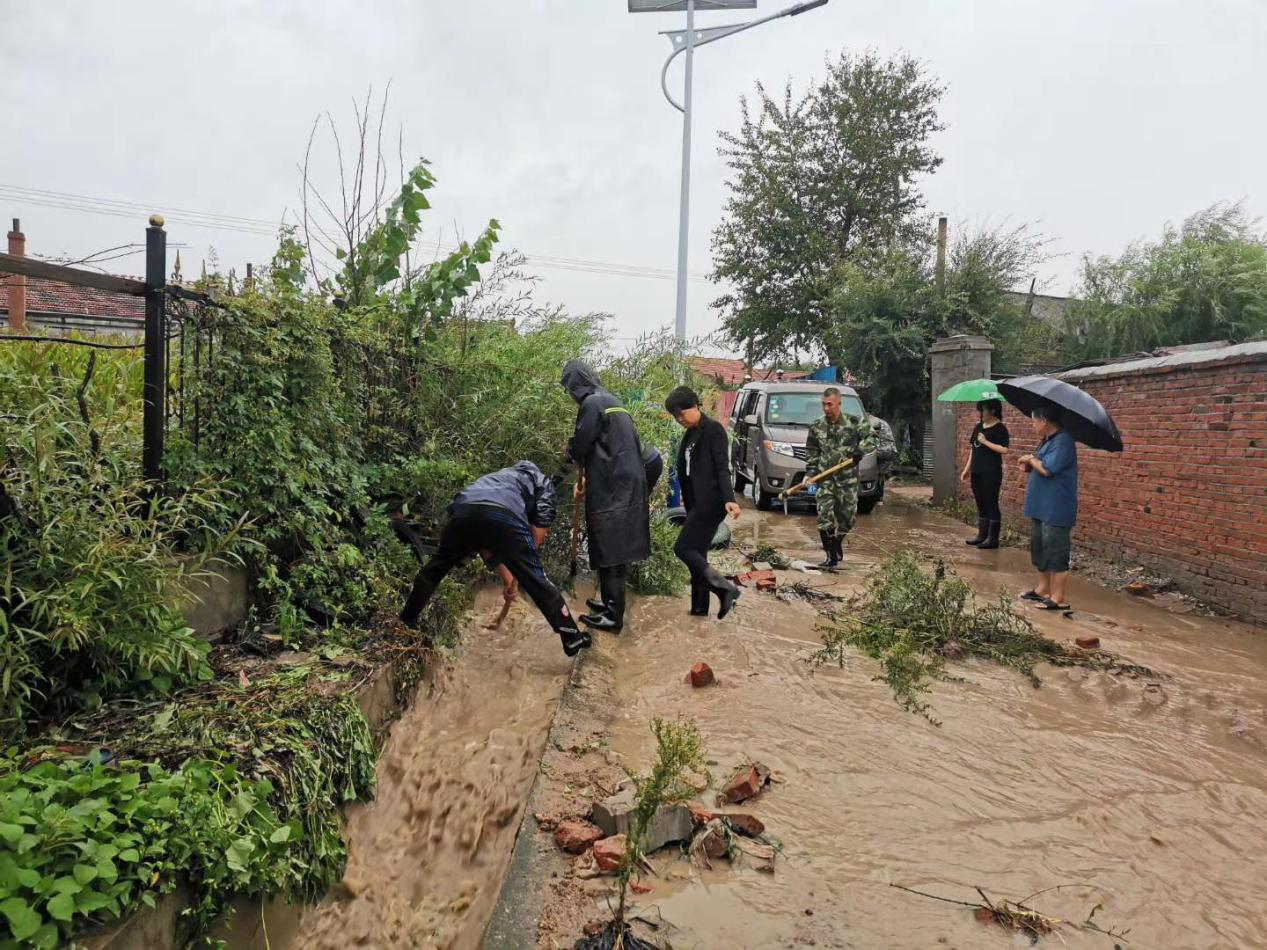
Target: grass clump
913,620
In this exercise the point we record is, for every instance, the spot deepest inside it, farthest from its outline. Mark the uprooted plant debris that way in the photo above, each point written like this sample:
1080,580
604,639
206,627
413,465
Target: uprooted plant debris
769,554
1020,917
913,620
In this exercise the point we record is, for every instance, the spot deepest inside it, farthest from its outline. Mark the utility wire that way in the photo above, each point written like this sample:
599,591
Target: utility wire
70,201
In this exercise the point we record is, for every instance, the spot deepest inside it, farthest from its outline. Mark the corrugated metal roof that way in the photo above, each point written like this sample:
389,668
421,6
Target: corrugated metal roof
1172,361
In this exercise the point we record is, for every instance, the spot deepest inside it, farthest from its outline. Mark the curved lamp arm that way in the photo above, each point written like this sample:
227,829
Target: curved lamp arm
712,34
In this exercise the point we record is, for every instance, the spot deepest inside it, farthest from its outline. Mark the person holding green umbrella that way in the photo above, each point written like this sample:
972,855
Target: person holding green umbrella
988,445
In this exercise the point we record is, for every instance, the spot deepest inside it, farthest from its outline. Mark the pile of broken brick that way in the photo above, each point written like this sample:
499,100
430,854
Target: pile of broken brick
704,834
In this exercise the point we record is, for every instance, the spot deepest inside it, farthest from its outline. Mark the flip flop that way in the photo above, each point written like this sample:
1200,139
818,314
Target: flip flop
1046,603
1032,595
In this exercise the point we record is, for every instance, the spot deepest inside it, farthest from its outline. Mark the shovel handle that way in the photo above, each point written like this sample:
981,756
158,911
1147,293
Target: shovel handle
828,473
576,531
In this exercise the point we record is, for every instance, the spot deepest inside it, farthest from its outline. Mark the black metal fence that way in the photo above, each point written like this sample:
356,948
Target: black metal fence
179,342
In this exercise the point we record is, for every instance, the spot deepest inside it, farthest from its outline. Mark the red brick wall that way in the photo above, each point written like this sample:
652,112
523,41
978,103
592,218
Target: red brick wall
1188,496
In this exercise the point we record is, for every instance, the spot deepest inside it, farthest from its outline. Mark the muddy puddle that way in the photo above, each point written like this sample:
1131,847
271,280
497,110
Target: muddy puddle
427,858
1149,799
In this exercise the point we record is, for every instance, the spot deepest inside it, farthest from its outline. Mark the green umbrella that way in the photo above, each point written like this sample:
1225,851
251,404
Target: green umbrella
971,390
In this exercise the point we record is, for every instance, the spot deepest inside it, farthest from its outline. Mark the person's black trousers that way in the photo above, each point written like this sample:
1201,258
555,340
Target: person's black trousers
611,590
694,540
474,528
985,491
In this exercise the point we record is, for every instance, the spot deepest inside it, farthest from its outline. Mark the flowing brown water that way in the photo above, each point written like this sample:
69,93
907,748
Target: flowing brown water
428,856
1154,798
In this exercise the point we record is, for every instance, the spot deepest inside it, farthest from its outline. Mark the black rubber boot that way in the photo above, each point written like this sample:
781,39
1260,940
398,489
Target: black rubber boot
726,592
983,532
699,600
601,621
829,548
992,536
596,605
838,550
574,641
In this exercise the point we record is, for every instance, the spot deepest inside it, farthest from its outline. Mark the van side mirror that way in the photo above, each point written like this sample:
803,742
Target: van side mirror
750,420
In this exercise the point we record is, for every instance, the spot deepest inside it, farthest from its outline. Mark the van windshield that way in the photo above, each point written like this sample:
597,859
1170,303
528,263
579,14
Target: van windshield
804,409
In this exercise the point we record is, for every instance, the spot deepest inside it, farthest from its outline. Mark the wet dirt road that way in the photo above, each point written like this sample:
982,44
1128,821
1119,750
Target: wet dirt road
428,856
1151,798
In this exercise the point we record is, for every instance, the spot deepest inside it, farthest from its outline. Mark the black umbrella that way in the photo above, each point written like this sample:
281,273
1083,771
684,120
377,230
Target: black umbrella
1082,416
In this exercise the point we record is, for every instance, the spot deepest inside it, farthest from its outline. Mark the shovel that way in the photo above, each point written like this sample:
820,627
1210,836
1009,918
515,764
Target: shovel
801,486
577,504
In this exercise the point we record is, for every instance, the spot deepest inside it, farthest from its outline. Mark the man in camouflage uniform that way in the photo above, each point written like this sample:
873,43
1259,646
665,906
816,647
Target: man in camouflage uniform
833,439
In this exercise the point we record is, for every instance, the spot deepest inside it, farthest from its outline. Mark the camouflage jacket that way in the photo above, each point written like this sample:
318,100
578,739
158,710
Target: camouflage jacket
829,445
886,445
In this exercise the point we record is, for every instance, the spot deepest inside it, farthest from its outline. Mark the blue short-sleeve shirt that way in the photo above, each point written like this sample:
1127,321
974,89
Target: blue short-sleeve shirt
1053,498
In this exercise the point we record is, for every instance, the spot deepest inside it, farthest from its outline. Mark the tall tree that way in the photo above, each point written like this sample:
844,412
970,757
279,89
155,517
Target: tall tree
819,181
887,310
1206,280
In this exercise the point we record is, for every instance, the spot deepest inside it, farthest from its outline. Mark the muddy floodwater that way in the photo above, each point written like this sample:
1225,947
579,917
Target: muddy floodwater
1148,794
428,856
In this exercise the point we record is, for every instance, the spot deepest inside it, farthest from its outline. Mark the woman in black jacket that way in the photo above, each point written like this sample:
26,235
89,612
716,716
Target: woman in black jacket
703,471
988,446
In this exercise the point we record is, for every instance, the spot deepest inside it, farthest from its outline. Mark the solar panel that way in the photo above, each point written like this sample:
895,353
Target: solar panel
679,6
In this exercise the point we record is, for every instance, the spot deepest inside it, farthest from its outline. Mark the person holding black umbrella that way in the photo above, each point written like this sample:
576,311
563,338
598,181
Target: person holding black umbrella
1051,504
989,442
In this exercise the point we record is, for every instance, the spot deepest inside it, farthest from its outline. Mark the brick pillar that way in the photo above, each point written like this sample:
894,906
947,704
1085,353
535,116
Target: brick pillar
954,359
17,284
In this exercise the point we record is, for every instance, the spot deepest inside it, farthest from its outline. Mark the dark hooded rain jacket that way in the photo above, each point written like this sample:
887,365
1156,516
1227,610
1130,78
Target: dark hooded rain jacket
607,448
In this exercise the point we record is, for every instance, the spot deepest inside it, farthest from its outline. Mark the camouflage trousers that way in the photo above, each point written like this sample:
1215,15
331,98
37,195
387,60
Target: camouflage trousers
837,506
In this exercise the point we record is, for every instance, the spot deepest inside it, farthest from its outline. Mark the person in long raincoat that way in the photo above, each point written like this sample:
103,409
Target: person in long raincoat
617,515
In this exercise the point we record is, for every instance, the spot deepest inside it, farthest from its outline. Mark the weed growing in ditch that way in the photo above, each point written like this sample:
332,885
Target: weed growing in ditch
679,749
913,620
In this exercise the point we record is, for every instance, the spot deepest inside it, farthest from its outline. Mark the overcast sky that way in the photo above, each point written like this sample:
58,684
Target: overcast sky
1097,119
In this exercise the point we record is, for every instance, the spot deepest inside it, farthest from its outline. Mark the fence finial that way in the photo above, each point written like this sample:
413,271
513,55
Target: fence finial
156,221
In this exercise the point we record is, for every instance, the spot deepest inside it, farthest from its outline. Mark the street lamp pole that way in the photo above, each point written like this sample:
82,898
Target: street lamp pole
684,213
686,41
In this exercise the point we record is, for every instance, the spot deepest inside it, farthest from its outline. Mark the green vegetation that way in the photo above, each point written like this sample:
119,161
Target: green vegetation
913,620
820,181
92,563
235,793
1203,281
829,252
333,404
679,750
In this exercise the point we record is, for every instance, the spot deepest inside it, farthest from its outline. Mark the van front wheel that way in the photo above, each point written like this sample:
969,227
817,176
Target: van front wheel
765,500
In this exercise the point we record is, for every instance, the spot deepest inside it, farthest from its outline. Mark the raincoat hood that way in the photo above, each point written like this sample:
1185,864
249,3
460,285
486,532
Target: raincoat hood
580,380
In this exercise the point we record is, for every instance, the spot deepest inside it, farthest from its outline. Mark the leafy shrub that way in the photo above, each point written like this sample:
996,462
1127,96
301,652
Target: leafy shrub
662,573
92,560
84,843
